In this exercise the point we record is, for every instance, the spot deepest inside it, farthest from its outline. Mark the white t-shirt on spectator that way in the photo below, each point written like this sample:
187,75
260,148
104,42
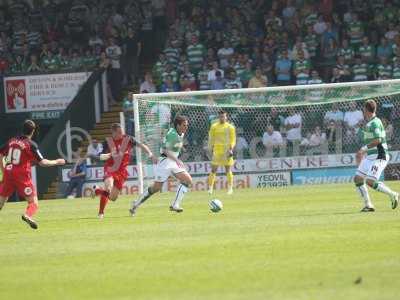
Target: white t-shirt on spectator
223,55
148,87
352,118
211,74
316,140
91,150
320,27
334,116
274,139
241,144
164,113
114,54
293,133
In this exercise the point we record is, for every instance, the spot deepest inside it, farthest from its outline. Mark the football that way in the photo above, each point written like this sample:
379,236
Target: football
216,205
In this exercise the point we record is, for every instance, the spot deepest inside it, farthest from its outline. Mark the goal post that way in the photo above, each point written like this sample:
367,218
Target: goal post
310,120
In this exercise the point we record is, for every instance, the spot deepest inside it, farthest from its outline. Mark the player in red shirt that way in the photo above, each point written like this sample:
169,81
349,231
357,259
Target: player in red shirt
117,151
20,153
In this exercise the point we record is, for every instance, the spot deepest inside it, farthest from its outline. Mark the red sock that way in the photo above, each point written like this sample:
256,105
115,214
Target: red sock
31,209
103,203
101,192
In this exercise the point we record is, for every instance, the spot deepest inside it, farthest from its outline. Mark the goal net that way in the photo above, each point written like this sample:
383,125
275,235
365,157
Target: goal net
278,129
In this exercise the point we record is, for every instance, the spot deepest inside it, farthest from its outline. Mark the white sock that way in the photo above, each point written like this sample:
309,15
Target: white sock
180,193
363,191
381,187
142,198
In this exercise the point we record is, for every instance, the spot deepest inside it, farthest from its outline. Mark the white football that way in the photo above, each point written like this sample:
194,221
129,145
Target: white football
216,205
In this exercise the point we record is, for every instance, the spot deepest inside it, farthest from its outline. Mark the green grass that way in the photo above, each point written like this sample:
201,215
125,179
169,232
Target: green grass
294,243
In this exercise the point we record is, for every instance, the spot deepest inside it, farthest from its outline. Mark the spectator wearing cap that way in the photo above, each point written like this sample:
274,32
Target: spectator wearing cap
219,82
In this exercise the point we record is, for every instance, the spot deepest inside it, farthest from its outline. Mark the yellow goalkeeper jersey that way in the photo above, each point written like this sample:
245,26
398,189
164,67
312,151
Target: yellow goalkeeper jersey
221,137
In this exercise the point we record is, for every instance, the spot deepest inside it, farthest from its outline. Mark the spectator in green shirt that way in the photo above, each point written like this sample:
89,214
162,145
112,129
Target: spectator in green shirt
366,50
50,62
89,61
34,65
19,65
76,61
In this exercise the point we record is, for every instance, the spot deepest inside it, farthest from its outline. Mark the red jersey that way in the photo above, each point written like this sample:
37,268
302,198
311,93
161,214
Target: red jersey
121,150
20,153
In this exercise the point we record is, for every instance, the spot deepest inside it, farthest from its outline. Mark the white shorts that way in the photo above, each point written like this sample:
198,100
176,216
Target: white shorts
371,168
165,168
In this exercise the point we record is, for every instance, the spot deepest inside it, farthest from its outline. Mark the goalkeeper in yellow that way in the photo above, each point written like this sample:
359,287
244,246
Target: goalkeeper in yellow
221,141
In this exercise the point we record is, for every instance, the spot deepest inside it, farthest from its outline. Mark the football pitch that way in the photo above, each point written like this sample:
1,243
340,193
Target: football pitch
306,242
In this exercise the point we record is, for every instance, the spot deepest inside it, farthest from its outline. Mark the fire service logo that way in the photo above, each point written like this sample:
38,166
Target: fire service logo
16,94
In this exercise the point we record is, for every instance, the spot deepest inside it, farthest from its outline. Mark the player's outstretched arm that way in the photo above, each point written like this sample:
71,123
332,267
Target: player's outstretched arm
150,154
52,163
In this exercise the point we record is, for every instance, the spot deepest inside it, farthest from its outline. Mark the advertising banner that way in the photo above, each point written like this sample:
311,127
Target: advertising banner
200,183
252,166
323,176
41,92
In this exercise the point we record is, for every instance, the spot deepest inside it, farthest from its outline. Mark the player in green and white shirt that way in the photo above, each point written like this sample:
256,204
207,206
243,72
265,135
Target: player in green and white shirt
169,165
372,159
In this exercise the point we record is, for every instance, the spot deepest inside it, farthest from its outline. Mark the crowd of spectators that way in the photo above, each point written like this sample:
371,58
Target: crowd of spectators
254,43
41,36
